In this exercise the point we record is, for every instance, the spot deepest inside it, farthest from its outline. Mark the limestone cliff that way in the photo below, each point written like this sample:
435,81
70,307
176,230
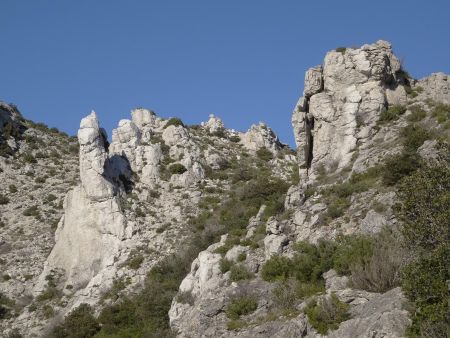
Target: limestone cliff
204,231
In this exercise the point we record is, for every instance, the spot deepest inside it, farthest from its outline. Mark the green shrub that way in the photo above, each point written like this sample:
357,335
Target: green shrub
398,166
417,114
276,268
351,251
379,270
284,294
225,265
6,307
241,306
28,157
337,207
51,292
441,112
239,272
391,114
12,188
242,257
3,199
174,121
341,50
80,323
424,213
31,211
135,261
264,154
48,311
414,136
177,169
425,208
327,313
425,283
337,196
234,138
234,325
50,198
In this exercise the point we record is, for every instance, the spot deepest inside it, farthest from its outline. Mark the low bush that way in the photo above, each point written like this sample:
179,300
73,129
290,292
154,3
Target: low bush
225,265
174,121
338,196
327,313
441,113
417,114
234,138
341,50
391,114
177,169
6,307
28,157
284,294
51,292
239,272
80,323
12,188
240,306
398,166
276,268
31,211
264,154
424,212
135,261
379,271
3,199
414,136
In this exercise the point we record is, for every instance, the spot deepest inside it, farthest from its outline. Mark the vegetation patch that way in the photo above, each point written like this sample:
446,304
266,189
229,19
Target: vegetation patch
174,121
441,113
424,212
239,272
3,199
391,114
264,154
177,169
241,306
327,313
79,323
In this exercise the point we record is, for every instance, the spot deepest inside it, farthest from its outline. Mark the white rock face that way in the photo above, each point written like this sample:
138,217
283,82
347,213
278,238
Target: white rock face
144,118
437,87
260,136
173,135
93,156
205,273
214,124
92,228
341,103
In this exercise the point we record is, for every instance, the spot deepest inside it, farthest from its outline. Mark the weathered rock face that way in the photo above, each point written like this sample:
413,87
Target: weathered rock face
93,226
436,87
341,103
260,136
213,125
93,158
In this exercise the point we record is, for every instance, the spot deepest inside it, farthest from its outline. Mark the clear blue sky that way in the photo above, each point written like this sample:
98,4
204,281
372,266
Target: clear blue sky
243,60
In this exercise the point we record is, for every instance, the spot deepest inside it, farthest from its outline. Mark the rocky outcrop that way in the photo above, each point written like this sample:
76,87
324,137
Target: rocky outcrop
341,102
260,136
214,125
435,87
89,234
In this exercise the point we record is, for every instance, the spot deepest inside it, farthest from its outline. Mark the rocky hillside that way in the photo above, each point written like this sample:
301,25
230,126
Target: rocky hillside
38,166
203,231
